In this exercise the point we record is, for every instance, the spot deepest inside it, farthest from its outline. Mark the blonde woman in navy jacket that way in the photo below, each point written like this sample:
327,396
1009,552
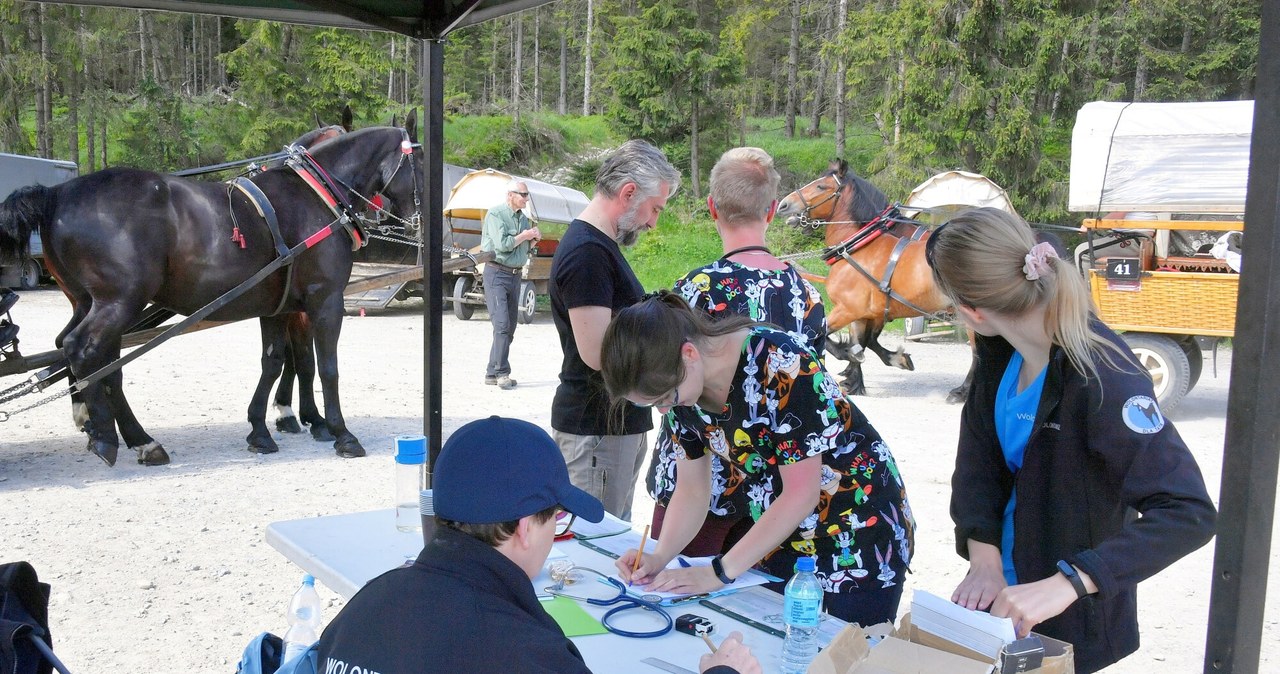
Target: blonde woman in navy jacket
1070,485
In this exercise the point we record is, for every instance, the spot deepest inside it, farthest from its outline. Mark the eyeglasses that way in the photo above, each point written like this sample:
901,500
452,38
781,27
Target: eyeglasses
564,522
523,194
674,400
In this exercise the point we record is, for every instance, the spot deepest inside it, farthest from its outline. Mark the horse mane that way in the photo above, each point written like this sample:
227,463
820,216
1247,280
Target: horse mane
867,202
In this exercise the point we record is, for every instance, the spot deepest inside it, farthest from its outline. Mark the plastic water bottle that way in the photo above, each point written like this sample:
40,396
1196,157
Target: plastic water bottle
411,471
801,609
304,620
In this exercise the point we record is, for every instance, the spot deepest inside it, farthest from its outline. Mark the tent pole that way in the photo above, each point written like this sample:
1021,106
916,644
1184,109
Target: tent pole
1252,454
433,226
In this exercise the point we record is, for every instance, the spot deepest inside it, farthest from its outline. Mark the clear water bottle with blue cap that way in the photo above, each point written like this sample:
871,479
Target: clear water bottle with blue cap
304,620
411,472
802,608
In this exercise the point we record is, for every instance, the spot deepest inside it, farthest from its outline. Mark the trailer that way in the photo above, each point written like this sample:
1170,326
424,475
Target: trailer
20,171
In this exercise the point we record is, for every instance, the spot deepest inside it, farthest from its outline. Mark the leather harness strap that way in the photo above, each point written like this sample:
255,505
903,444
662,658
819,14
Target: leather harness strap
868,233
268,213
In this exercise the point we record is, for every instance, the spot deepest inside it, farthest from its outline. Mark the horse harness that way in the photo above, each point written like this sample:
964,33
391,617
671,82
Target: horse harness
865,235
325,187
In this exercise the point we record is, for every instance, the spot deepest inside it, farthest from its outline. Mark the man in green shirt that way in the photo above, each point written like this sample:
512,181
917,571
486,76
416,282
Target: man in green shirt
509,234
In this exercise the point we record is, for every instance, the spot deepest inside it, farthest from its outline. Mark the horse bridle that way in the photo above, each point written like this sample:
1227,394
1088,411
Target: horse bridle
406,153
805,217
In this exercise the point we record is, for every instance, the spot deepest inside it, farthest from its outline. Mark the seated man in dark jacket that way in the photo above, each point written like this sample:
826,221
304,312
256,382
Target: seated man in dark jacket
467,603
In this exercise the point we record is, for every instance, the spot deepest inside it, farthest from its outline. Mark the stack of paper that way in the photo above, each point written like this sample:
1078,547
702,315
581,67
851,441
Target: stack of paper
977,631
609,526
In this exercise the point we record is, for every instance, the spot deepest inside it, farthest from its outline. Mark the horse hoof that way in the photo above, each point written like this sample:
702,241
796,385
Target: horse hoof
955,397
104,451
320,433
288,425
349,449
853,390
262,445
152,454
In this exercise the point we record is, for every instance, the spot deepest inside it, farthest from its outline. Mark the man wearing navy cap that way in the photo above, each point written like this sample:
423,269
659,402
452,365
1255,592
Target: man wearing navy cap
467,603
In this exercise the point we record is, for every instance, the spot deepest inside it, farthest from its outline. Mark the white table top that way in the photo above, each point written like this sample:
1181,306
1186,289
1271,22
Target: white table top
346,551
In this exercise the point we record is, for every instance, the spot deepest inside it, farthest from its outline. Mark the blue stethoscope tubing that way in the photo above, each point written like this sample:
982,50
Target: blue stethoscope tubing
629,602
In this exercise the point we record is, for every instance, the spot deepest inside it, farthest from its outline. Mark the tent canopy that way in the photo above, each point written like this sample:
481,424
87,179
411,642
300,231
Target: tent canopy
416,18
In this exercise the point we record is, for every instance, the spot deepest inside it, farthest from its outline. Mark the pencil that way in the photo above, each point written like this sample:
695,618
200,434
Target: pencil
710,644
640,556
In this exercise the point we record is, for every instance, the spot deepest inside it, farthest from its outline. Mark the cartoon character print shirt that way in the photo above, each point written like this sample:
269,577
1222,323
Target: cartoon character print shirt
783,407
778,296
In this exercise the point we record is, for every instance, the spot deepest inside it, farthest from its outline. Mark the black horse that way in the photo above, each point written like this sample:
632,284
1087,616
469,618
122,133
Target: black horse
119,239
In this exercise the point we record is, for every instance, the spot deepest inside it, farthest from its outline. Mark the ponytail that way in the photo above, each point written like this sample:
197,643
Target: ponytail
985,257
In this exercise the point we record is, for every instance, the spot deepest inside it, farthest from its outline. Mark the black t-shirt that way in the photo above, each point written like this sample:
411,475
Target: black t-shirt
589,271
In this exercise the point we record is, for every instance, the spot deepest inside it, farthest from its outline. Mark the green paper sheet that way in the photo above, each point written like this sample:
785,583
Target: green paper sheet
572,619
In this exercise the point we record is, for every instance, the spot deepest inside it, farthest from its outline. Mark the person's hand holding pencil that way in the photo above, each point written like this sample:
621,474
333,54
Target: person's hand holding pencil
636,567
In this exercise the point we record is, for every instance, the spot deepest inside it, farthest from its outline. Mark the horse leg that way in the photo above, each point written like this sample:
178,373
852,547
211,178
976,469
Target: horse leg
88,346
303,357
79,308
286,421
148,451
899,359
326,321
853,383
273,357
961,393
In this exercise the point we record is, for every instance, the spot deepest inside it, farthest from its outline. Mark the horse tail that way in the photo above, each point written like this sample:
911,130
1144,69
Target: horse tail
21,214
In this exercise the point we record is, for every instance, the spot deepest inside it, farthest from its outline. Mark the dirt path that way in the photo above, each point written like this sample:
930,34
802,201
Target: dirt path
166,568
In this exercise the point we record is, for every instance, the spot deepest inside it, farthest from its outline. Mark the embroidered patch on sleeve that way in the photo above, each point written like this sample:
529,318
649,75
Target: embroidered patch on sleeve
1142,415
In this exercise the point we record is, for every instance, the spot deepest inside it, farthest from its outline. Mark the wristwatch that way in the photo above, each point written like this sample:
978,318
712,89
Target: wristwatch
1065,568
717,566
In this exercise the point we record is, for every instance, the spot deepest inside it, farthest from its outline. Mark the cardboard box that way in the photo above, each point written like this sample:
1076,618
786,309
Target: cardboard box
906,650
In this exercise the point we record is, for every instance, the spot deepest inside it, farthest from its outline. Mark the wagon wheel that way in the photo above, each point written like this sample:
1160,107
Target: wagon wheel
29,278
1195,359
460,290
528,304
1167,364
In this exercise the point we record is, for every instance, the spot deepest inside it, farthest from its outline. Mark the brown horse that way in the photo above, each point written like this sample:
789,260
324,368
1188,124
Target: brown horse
878,269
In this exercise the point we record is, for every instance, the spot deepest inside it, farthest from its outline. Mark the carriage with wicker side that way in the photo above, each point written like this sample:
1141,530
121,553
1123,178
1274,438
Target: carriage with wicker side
1163,263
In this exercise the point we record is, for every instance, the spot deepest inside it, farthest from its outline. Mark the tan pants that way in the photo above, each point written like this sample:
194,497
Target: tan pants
605,466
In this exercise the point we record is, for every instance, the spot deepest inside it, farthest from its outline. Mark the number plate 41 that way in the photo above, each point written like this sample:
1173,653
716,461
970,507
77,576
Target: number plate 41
1124,274
1124,269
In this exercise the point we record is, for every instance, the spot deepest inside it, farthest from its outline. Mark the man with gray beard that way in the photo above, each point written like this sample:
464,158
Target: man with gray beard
603,445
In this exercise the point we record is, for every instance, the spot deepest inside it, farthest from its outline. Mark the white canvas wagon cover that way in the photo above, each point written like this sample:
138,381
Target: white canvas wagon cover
478,191
950,192
1161,157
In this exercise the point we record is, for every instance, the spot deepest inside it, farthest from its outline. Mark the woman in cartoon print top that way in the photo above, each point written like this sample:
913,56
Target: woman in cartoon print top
1061,440
822,483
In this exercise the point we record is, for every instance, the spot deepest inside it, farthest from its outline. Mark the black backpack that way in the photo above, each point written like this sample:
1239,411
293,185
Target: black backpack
26,647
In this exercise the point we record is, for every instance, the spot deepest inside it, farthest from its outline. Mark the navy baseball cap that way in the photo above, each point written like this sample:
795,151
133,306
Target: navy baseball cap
499,470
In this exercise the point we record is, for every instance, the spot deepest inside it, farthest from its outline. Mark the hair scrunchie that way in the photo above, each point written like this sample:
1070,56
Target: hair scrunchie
1037,262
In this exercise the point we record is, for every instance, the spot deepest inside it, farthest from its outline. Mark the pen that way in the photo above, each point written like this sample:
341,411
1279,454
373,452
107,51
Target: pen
640,553
684,563
710,645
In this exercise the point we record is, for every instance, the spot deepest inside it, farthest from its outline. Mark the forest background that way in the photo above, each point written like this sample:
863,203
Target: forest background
903,89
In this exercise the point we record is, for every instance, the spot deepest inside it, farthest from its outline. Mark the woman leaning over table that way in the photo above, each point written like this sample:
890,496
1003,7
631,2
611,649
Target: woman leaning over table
820,480
1070,486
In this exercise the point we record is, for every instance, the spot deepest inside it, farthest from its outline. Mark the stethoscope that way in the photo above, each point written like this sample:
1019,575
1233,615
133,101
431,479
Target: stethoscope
648,602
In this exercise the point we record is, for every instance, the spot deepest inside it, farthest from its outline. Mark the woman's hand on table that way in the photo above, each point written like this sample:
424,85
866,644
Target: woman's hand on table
650,566
691,580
